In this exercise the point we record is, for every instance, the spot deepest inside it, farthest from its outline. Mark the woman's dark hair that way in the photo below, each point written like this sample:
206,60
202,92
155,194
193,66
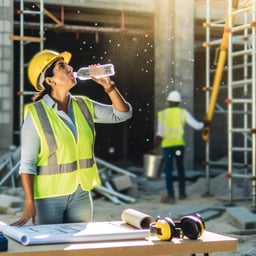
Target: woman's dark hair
47,90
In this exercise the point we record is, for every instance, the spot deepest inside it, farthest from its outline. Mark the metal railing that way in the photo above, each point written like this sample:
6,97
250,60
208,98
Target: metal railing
9,168
9,173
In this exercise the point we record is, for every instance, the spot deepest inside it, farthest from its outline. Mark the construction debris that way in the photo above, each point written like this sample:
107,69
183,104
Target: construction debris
115,180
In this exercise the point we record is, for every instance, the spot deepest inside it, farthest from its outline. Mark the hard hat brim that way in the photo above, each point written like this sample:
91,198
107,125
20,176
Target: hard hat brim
66,56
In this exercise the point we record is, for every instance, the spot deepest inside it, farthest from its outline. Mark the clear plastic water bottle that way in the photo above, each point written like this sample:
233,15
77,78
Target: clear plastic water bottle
85,73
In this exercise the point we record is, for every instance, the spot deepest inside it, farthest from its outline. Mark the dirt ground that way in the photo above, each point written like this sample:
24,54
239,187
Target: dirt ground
147,194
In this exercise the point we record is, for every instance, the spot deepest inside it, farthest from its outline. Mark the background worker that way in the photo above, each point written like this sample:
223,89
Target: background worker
58,168
170,136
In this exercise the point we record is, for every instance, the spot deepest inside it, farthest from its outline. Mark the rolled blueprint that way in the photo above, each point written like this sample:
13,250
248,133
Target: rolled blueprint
136,218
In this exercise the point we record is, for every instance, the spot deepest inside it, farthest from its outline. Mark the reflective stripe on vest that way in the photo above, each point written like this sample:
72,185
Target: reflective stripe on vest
51,141
172,132
172,121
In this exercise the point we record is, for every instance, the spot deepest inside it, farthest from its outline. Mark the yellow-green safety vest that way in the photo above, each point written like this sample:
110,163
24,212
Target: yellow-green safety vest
172,121
64,162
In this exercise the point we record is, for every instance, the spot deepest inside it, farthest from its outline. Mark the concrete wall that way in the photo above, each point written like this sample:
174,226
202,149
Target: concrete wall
174,58
6,74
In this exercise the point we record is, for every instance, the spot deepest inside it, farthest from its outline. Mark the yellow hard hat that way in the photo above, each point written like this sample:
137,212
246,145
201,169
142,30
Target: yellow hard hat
39,64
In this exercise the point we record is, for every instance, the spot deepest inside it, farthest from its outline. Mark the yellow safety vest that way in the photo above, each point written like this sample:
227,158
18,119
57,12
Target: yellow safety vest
64,163
172,121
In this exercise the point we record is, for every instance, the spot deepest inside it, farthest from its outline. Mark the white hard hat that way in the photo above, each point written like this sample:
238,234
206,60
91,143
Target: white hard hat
174,96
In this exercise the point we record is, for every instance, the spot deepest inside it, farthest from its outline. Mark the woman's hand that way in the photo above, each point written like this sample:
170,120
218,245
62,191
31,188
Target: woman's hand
28,213
30,209
115,96
105,82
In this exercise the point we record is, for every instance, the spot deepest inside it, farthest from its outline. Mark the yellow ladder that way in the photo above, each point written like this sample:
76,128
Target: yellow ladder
218,74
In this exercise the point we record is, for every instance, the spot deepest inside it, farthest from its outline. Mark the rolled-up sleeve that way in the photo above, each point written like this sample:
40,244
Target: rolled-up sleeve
30,147
108,114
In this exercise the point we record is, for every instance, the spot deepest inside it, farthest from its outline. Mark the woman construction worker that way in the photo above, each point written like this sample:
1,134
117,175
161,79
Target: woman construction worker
58,168
170,135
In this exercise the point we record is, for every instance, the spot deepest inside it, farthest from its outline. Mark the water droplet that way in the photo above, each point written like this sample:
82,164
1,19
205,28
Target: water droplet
111,150
178,153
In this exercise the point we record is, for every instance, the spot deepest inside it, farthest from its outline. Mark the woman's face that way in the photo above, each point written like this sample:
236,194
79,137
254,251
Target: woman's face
63,77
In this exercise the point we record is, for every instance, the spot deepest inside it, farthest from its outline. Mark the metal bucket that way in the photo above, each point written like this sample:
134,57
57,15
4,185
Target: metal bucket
153,165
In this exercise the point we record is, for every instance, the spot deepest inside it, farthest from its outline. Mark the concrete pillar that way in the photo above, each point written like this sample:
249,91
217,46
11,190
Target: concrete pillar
174,58
6,74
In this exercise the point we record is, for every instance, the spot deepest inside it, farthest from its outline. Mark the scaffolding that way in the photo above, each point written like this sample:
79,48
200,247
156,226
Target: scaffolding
25,40
238,50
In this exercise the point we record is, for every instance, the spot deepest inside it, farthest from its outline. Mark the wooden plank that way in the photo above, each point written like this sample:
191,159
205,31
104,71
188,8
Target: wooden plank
26,38
50,15
208,243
